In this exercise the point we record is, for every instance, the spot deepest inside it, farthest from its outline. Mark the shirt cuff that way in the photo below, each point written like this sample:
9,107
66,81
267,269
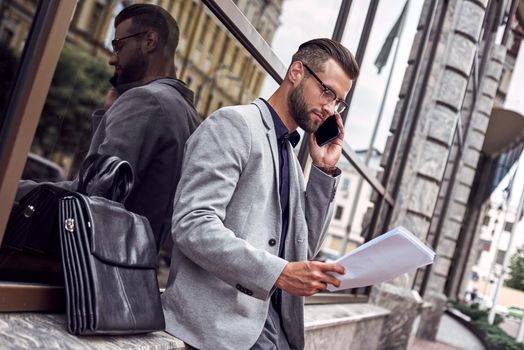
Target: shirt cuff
334,172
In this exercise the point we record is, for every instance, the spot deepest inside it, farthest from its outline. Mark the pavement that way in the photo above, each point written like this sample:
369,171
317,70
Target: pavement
451,335
510,326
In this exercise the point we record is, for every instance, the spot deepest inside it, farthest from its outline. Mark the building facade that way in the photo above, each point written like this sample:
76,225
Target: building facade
350,209
495,230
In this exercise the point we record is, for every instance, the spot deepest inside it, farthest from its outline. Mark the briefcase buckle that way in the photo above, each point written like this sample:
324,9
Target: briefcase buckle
29,211
69,225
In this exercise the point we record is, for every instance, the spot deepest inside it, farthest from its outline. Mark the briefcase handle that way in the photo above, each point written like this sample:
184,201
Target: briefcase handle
105,176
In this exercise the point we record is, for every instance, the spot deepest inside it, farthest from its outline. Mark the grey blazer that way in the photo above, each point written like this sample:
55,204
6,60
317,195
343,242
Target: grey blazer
227,209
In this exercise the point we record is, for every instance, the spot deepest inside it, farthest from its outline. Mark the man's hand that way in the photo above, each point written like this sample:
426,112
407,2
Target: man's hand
327,156
305,278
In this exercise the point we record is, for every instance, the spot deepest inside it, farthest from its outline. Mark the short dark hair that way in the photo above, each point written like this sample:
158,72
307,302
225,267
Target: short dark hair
155,18
317,51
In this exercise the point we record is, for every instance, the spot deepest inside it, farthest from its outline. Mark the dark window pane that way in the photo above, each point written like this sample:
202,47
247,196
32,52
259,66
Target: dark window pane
338,212
500,256
16,19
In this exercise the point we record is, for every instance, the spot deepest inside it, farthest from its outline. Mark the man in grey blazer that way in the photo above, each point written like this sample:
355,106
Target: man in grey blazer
245,224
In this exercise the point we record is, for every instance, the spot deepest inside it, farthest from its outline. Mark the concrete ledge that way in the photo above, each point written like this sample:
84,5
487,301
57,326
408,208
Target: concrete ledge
344,326
321,316
355,325
47,331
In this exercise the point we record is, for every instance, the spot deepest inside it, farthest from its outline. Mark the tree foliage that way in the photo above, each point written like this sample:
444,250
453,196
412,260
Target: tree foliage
78,88
516,270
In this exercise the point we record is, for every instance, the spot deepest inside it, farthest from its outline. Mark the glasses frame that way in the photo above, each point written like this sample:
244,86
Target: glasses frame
340,105
115,42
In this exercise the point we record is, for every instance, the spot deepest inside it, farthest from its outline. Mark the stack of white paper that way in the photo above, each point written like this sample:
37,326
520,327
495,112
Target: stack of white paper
382,259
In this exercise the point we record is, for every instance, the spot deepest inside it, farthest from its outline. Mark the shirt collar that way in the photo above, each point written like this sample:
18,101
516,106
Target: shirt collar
280,128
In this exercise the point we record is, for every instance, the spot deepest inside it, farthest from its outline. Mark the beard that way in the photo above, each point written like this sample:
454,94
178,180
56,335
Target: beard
133,71
299,110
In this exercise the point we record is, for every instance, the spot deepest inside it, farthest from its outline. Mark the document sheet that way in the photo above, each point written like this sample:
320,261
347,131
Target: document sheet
382,259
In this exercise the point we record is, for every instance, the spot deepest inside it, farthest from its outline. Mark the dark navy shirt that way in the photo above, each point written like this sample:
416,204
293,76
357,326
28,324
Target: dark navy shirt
273,334
282,137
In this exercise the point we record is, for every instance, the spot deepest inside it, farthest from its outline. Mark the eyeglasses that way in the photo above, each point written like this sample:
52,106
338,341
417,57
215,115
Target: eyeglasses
328,93
115,43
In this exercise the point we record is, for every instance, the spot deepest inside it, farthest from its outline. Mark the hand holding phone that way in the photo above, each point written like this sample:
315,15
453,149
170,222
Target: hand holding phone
327,131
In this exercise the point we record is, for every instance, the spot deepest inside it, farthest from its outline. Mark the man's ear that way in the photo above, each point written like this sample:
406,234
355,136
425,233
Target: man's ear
295,73
151,41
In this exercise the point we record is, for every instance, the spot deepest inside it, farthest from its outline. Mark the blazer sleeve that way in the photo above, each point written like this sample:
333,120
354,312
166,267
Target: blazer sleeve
320,192
215,156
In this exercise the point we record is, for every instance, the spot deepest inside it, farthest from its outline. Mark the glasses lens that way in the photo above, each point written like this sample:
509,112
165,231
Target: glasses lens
340,107
328,95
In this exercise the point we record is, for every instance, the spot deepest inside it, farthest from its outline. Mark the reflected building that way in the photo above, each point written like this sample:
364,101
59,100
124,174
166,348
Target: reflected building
15,22
495,230
209,59
213,64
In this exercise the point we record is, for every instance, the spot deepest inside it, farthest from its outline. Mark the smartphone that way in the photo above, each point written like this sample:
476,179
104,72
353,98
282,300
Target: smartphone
327,131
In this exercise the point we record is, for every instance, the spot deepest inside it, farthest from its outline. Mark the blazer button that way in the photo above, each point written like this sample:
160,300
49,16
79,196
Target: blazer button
272,242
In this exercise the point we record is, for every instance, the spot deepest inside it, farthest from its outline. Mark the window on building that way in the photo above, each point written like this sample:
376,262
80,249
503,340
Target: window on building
234,57
7,36
486,220
345,184
500,256
508,226
96,17
485,245
214,39
205,27
190,17
338,212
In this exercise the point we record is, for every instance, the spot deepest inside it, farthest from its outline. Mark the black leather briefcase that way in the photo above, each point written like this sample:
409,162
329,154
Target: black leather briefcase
109,260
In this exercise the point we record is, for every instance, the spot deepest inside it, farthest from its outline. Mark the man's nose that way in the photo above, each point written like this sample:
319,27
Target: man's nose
113,59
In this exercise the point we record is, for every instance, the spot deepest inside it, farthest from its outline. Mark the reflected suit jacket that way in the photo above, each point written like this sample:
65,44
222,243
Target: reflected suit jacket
147,126
227,209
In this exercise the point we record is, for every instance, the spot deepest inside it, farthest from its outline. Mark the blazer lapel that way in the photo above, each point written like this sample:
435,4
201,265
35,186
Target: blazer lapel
271,138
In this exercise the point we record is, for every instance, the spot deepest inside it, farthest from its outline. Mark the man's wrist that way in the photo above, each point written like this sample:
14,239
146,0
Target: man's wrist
330,170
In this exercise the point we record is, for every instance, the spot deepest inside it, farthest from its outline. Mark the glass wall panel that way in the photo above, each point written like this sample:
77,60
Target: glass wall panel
370,88
212,62
16,18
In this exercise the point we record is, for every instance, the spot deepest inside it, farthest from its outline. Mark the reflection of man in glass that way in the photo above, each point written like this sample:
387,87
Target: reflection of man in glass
245,224
148,116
